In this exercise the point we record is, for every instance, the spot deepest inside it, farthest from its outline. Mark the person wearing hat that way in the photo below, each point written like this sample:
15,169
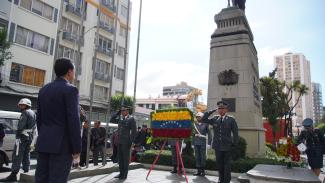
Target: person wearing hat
225,136
201,131
24,137
314,140
127,130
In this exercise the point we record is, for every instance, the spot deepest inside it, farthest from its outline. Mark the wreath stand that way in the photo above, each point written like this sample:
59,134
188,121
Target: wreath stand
179,158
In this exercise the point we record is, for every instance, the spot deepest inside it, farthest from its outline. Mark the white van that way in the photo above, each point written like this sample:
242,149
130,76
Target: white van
10,122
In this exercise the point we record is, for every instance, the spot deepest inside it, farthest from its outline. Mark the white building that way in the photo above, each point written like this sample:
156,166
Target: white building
47,24
32,28
292,67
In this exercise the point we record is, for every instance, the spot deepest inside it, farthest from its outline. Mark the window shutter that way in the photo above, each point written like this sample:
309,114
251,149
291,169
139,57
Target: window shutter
55,15
12,32
52,46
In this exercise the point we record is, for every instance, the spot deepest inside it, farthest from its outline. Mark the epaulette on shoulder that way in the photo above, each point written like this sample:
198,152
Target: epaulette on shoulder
231,116
214,116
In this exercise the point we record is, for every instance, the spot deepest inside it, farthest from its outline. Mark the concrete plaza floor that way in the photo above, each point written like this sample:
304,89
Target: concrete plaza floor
139,176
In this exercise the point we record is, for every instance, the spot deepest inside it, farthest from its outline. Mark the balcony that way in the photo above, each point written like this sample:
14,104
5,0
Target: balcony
102,76
109,5
106,27
72,9
107,52
73,38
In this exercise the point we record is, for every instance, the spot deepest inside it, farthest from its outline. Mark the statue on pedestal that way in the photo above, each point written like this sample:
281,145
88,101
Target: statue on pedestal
239,3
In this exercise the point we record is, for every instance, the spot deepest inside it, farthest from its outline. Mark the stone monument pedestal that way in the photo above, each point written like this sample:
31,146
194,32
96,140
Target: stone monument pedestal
234,76
281,174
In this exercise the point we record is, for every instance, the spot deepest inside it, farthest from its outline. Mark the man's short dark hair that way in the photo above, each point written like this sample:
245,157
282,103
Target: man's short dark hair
62,66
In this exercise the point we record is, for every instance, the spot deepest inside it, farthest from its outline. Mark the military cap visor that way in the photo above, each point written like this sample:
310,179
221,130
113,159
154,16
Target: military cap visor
125,107
222,104
307,122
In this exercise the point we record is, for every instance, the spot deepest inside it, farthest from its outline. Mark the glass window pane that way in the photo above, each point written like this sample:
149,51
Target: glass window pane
47,12
37,7
21,36
26,4
15,72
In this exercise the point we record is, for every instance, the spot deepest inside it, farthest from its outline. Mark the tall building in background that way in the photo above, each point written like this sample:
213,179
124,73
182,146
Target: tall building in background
32,28
40,29
292,67
317,102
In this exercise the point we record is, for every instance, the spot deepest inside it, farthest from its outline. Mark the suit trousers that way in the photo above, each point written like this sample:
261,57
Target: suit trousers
223,164
123,158
200,155
53,168
100,149
174,156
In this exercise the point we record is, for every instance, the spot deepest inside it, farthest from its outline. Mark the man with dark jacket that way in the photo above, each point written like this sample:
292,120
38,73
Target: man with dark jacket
24,137
58,124
127,130
225,136
98,134
84,144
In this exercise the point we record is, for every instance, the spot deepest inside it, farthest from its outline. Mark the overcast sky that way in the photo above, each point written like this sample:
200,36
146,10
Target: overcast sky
175,39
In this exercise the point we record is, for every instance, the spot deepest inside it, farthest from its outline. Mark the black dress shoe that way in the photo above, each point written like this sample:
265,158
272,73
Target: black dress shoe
198,173
123,177
202,173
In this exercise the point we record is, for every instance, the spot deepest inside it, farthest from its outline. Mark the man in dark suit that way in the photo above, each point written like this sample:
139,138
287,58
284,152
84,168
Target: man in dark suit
127,130
225,136
58,124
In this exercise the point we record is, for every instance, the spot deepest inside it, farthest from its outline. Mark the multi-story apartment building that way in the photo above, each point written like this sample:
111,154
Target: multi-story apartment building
180,89
317,102
72,33
32,28
292,67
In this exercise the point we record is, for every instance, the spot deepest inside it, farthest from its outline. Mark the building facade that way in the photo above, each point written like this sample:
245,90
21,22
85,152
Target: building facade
317,102
292,67
41,31
177,90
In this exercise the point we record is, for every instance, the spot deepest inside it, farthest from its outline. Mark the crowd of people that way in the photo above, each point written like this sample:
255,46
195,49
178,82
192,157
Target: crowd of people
62,143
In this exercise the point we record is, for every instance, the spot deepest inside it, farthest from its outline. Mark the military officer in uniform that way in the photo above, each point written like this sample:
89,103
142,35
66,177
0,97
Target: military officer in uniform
225,136
199,141
127,130
24,137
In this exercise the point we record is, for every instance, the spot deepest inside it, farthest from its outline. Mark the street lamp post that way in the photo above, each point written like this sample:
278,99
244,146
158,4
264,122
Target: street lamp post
137,59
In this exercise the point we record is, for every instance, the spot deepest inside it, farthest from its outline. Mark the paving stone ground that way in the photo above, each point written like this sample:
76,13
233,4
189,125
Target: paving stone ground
139,176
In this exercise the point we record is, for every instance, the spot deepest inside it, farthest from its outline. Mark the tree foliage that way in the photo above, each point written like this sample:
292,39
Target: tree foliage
273,103
116,102
5,54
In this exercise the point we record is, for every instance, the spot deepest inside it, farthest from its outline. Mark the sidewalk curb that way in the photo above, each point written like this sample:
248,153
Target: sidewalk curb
76,173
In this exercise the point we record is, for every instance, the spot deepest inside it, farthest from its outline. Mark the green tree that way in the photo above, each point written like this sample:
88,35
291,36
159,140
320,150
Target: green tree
116,102
299,90
273,106
5,54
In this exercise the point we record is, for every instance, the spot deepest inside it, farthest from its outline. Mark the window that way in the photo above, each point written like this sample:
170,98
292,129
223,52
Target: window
124,11
104,43
70,26
102,67
120,51
32,39
100,92
38,7
119,73
122,31
27,75
106,20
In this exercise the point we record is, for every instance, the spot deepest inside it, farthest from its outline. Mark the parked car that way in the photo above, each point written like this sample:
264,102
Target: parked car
10,122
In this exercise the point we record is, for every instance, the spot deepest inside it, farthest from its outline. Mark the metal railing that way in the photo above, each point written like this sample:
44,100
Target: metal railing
104,51
106,27
109,5
73,9
102,76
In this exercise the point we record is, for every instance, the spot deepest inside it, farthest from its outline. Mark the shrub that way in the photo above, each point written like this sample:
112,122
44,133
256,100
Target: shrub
239,151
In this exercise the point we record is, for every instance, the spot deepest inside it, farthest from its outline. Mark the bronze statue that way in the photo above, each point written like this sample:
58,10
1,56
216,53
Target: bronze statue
239,3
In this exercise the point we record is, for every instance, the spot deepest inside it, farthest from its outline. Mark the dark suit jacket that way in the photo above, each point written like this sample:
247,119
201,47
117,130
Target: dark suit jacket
58,121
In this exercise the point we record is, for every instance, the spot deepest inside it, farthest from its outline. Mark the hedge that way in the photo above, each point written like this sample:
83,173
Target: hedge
238,166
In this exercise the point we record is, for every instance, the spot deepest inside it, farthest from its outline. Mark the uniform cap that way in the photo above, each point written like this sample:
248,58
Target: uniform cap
222,104
307,122
125,107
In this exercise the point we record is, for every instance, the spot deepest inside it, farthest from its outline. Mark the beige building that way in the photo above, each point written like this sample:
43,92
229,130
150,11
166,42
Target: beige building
317,102
291,67
41,31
